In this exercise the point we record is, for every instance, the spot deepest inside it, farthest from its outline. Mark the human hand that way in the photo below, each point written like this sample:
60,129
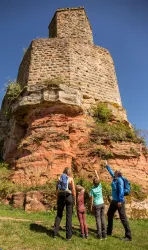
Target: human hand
119,204
105,162
96,174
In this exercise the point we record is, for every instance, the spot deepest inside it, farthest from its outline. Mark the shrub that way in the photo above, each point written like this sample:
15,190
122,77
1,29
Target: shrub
54,82
141,134
102,112
4,165
114,132
87,184
6,186
13,89
63,136
133,151
102,153
136,192
145,151
106,187
37,140
49,187
135,187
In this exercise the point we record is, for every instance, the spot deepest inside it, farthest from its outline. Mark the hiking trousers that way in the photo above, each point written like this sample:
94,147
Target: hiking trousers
64,199
111,211
100,220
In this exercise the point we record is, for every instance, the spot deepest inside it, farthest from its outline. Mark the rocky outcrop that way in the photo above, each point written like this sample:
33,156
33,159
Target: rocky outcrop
48,131
35,201
32,201
53,142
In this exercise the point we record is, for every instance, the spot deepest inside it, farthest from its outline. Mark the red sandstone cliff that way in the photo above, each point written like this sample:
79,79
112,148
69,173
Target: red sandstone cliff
49,126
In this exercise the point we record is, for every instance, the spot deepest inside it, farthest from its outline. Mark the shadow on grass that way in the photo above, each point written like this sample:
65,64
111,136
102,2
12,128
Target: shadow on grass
76,230
41,229
116,237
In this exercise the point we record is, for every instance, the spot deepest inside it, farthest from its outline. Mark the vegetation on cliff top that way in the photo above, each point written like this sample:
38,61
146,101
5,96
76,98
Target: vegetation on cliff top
13,89
102,113
108,129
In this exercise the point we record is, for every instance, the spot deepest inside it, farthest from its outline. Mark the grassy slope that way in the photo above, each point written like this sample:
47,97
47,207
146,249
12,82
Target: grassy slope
16,235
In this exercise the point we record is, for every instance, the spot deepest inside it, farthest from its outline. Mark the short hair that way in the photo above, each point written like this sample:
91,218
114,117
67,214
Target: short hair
119,173
96,182
67,171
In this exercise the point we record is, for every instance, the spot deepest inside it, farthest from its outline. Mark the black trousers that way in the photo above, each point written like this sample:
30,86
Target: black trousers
111,211
64,199
100,220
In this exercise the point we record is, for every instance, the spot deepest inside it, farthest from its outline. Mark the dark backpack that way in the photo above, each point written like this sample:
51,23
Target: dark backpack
127,186
63,182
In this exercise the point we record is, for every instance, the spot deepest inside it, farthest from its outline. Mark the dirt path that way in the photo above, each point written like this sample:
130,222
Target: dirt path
17,219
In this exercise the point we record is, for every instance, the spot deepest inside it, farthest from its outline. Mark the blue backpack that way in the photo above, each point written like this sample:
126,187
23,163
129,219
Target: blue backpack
127,186
63,183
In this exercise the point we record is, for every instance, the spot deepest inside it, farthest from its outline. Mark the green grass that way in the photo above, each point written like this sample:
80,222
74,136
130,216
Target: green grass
33,235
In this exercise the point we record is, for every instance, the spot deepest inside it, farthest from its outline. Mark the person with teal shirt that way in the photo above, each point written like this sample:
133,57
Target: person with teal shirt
97,204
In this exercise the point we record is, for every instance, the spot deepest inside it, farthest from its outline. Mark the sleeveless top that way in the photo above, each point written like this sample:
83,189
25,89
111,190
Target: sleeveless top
67,192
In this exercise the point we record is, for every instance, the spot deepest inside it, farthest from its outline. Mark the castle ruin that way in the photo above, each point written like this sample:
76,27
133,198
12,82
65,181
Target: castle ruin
47,128
70,55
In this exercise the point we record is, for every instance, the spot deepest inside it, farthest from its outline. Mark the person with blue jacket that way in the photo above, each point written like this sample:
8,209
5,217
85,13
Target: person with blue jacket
117,203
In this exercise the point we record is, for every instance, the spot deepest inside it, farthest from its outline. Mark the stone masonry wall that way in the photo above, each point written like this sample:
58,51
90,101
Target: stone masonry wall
50,59
81,65
92,68
53,27
72,23
23,73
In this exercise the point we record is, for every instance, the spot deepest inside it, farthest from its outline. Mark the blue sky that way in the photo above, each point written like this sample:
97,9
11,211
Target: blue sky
121,26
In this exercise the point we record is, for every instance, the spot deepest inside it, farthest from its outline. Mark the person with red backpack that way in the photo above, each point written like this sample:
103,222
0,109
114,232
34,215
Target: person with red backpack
120,188
65,197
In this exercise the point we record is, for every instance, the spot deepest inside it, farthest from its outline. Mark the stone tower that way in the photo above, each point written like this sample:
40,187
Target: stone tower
61,77
69,54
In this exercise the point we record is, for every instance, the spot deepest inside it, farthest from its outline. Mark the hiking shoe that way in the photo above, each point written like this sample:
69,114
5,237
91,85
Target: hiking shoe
104,238
98,237
126,239
55,237
86,236
68,239
83,236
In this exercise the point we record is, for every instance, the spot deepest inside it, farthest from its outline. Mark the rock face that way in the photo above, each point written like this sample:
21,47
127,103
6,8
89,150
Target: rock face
32,201
48,126
35,201
55,141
